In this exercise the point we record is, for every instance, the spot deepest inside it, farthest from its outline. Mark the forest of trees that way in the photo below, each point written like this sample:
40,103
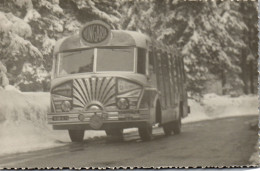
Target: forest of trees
218,38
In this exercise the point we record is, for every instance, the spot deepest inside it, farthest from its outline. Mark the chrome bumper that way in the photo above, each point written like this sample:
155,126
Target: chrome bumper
68,118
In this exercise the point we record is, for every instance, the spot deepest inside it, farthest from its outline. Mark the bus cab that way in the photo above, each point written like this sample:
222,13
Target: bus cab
110,80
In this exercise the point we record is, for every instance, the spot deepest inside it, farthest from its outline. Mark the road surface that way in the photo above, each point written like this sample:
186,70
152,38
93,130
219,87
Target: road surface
221,142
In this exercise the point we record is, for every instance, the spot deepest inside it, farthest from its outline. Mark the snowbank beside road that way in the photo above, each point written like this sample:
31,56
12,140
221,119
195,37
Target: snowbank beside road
213,106
22,121
23,124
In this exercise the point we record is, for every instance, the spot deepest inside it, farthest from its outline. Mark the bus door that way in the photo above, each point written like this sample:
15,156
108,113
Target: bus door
165,70
160,79
171,111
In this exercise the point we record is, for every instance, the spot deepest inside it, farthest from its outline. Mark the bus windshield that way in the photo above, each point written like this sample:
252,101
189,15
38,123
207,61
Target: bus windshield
76,62
108,59
115,59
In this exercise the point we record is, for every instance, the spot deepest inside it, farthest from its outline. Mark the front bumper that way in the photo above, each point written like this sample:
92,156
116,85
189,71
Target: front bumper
81,120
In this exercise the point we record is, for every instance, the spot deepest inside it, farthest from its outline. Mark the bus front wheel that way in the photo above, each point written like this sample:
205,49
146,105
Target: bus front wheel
146,132
76,135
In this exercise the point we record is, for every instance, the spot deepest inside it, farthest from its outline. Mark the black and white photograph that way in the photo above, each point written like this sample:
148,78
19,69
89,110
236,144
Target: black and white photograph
129,84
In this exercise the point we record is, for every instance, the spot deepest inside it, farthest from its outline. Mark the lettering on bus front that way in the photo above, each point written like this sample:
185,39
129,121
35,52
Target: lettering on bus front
95,33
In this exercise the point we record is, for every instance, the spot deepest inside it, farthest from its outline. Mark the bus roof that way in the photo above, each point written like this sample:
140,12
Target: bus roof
118,38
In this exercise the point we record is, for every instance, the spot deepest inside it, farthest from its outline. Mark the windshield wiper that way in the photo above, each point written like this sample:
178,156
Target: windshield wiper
72,53
121,50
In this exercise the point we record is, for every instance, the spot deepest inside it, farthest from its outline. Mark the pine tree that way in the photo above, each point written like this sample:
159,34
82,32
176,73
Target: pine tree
16,47
249,54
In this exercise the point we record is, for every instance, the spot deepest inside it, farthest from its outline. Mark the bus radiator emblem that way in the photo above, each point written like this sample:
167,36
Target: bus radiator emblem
87,91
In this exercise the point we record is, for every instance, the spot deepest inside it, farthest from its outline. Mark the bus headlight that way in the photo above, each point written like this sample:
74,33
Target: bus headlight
122,103
65,106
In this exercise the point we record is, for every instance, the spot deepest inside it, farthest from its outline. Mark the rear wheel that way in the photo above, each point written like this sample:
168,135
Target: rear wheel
76,135
145,132
168,128
114,134
177,126
177,123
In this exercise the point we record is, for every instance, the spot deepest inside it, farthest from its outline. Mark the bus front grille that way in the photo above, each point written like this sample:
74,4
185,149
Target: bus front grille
94,90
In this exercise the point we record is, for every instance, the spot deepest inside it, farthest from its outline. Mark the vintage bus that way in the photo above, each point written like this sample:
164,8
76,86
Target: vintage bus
110,80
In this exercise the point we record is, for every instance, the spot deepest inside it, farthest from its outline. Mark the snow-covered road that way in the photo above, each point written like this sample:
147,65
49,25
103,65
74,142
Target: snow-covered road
219,142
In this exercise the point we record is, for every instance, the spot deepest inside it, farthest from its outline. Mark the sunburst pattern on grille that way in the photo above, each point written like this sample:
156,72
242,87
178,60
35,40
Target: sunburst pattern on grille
95,89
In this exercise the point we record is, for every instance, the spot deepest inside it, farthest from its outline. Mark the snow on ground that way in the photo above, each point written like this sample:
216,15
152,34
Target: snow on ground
213,106
23,124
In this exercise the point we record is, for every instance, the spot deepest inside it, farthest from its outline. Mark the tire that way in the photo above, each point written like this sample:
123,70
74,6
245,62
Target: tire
146,132
76,135
168,128
114,134
177,125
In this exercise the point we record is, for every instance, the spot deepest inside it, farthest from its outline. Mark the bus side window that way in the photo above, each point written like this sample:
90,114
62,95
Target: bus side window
152,70
151,63
180,70
174,77
179,75
183,70
55,68
176,74
141,60
172,81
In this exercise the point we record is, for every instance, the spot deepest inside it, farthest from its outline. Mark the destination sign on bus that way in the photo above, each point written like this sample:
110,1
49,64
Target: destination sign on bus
95,32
